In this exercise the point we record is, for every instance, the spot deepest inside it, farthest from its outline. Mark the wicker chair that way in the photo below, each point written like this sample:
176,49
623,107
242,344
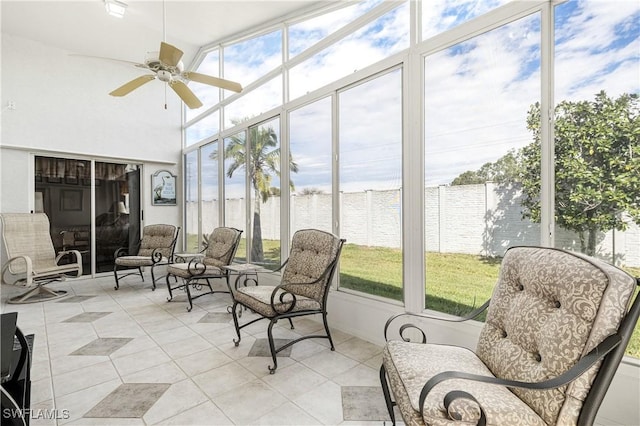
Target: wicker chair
222,245
156,248
303,289
557,327
32,260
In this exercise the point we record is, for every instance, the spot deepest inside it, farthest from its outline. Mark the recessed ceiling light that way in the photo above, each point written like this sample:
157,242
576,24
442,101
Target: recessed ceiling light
115,7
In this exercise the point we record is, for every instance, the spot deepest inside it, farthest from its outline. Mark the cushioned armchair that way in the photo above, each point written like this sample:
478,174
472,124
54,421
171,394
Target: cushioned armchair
32,260
156,248
557,327
221,248
303,289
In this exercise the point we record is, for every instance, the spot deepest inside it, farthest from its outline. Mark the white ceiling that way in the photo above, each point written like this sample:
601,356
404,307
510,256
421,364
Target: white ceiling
84,27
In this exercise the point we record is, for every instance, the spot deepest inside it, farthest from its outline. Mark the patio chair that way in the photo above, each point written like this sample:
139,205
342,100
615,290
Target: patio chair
556,329
32,261
155,249
221,248
303,289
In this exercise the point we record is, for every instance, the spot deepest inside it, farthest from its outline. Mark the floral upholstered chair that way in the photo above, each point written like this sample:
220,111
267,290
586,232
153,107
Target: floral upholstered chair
303,289
556,329
222,245
156,248
32,260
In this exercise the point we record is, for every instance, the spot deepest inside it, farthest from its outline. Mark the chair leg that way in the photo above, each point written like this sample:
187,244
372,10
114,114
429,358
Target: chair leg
291,323
272,346
186,287
140,272
115,274
153,279
169,288
235,322
326,328
387,395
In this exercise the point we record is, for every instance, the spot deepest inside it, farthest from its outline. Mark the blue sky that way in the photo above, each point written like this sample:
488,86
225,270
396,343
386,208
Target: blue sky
477,94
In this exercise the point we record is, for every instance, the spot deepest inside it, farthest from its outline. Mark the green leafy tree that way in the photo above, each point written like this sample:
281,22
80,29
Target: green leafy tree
597,166
502,171
263,163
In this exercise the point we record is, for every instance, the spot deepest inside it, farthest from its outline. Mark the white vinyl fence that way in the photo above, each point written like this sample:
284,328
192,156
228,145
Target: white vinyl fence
483,219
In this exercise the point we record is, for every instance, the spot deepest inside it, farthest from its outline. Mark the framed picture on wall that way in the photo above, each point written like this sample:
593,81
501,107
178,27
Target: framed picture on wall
163,188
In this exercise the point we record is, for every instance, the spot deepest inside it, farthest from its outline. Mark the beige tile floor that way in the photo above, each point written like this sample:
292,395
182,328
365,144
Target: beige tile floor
188,370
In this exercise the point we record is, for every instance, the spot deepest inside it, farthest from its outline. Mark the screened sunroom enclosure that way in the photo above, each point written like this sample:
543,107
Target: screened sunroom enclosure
421,132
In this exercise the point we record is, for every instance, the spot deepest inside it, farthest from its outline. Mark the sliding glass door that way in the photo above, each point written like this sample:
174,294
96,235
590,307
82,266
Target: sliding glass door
63,190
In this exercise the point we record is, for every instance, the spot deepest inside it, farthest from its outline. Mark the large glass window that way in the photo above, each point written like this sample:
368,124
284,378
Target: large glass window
262,99
235,188
201,129
264,178
379,39
311,203
192,217
477,94
597,169
250,59
209,95
209,187
370,146
442,15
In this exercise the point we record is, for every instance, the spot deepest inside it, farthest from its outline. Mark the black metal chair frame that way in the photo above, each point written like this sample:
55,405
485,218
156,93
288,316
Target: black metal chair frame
197,269
330,271
16,379
610,351
156,259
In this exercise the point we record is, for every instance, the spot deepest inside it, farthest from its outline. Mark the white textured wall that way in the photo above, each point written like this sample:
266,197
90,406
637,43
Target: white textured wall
62,106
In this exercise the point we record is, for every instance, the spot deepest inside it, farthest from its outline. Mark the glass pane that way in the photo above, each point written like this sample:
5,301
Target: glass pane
442,15
477,94
202,129
264,175
310,146
114,226
370,183
63,192
597,82
248,60
191,201
209,187
256,102
235,190
307,33
209,95
378,40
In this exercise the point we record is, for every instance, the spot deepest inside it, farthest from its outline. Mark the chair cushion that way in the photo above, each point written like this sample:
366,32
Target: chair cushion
137,261
258,299
312,251
159,237
410,365
221,246
183,270
548,309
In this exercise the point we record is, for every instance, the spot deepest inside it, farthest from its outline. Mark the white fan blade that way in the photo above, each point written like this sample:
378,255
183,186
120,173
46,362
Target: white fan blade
169,55
213,81
185,94
132,85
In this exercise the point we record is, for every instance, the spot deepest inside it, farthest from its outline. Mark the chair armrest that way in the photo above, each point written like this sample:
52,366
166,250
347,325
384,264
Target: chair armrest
471,315
585,363
28,268
156,256
122,251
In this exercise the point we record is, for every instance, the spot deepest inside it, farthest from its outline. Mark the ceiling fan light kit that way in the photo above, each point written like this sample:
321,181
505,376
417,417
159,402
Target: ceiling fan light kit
115,8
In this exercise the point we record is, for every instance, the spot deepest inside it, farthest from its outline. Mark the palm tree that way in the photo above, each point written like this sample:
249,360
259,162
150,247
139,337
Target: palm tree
264,162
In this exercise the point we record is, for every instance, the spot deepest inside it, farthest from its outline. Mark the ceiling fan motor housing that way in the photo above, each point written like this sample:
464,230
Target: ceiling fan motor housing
164,75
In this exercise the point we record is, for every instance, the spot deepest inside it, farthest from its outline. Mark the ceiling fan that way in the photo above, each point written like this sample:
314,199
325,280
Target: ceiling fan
167,66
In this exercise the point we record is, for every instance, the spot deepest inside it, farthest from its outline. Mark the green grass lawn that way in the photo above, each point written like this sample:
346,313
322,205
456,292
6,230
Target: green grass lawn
456,283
